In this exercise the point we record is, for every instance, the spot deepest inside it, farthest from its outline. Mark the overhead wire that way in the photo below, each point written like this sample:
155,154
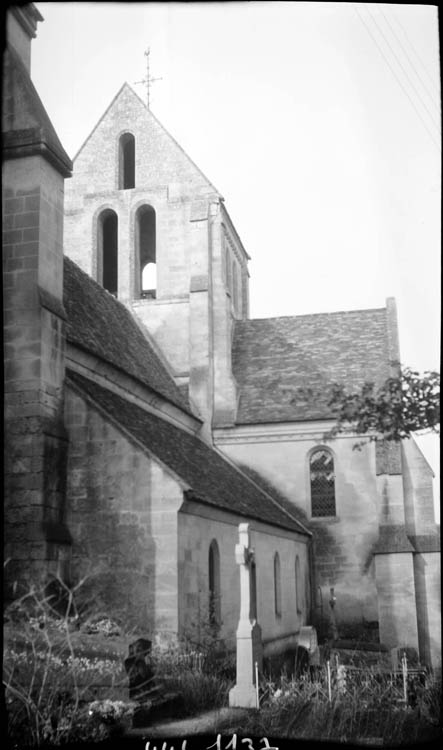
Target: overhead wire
416,54
430,94
404,70
397,78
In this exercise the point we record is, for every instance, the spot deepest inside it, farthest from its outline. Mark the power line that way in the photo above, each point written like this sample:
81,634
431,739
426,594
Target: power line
396,77
431,96
404,71
416,54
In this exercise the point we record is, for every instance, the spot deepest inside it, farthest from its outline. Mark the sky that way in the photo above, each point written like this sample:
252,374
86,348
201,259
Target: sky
318,122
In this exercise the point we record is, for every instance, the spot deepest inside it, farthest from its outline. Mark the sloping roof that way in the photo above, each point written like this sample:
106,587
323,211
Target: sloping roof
102,325
273,357
26,127
211,478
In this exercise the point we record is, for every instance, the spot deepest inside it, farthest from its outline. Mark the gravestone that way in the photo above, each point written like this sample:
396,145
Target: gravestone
145,688
140,672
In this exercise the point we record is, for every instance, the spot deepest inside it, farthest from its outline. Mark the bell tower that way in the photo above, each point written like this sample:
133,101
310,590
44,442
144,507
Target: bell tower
145,223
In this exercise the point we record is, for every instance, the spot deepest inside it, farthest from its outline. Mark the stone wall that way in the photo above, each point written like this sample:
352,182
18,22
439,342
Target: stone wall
342,544
427,575
418,491
122,513
35,442
198,527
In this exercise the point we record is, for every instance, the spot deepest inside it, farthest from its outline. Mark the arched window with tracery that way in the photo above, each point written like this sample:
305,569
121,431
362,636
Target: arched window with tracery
107,250
126,155
277,585
145,250
214,584
322,480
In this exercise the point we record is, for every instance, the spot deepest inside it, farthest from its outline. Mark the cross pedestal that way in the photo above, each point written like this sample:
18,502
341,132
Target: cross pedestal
249,645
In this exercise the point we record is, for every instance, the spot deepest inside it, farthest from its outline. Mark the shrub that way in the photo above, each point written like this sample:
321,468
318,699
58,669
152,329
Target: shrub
48,684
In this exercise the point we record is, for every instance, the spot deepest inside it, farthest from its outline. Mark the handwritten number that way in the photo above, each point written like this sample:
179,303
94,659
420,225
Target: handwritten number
216,744
266,744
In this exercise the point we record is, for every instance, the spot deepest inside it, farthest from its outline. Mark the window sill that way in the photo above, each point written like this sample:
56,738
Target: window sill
323,519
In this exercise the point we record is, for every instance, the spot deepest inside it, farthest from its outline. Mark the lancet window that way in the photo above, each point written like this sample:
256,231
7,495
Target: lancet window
322,480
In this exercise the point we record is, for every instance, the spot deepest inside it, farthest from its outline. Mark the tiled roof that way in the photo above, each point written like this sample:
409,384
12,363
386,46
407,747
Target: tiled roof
274,357
102,325
211,478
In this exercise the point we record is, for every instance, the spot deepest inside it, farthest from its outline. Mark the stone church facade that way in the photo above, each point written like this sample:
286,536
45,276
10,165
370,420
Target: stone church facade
147,415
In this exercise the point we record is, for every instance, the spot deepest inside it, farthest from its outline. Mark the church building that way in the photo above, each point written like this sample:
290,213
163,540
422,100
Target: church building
147,415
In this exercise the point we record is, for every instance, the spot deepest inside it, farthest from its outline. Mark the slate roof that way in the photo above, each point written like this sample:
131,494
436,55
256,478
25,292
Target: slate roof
273,357
211,478
102,325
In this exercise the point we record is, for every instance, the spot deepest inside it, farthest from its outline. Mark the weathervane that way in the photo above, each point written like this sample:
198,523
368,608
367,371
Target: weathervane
148,80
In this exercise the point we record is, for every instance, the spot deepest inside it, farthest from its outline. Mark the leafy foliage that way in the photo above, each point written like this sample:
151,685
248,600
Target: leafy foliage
404,404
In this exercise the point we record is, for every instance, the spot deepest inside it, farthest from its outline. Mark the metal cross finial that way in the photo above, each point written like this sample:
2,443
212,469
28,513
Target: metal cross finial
148,81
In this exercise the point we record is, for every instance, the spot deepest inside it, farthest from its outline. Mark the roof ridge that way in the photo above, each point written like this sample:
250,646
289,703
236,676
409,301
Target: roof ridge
313,315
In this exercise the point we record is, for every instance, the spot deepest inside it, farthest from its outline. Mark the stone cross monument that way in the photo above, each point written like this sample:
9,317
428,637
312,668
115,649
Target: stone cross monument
249,645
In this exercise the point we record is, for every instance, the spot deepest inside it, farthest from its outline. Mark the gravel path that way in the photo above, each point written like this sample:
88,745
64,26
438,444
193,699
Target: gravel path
210,722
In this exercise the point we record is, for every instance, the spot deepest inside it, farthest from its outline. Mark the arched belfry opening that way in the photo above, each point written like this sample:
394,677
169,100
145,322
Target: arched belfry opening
107,250
126,177
145,240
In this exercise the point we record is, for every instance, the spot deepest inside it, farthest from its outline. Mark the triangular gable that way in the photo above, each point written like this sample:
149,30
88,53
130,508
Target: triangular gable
132,121
104,115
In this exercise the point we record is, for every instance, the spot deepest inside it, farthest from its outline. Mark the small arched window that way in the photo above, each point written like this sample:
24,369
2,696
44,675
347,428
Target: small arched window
252,592
277,585
298,586
235,285
126,177
107,251
322,480
214,584
228,271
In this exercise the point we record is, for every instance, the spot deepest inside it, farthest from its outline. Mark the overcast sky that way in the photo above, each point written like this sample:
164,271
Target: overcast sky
318,122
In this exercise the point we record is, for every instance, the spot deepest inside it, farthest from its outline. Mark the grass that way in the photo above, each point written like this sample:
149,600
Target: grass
53,668
364,708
